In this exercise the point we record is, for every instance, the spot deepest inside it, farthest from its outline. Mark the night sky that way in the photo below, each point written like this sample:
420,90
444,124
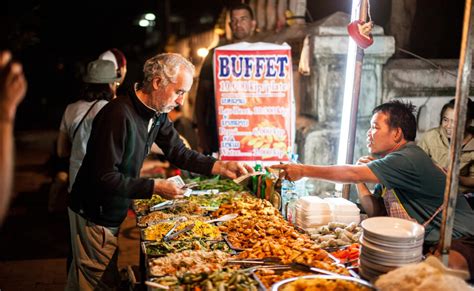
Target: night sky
56,39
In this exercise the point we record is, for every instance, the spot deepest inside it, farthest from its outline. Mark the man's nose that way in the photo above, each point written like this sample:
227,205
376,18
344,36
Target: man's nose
180,100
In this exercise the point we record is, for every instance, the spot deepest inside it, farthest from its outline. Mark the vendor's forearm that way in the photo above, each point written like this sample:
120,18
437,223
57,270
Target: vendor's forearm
340,173
371,204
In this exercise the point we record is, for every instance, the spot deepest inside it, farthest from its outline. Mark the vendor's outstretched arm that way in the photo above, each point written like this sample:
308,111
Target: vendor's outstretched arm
336,173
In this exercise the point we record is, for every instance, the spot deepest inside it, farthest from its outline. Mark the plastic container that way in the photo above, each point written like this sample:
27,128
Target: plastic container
341,204
312,204
347,219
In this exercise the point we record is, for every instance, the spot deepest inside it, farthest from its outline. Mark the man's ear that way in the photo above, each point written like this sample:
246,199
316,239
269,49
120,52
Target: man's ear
254,26
156,83
398,135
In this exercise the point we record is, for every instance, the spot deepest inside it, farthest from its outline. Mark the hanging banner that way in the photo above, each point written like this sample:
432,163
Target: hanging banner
254,101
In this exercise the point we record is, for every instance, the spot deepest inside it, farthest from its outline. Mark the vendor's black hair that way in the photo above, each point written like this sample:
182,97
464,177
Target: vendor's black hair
400,115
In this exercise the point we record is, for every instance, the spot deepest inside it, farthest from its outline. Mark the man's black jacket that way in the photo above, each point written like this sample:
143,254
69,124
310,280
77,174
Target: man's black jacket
118,144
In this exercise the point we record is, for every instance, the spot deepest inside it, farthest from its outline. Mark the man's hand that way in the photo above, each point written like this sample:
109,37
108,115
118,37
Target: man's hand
167,189
12,86
365,160
231,169
291,172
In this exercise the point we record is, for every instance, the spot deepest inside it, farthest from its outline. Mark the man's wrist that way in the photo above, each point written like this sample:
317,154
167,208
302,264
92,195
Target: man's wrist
156,183
216,168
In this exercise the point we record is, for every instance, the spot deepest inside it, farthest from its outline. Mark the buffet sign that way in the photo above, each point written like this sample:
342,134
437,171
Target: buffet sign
254,101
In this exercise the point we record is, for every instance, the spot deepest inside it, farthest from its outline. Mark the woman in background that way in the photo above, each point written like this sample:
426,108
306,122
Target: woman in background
435,143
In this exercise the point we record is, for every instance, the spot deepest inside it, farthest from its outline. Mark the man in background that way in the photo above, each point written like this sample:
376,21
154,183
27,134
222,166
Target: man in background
242,24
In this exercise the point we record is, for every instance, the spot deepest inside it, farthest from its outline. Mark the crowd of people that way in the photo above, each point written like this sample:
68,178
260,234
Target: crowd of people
107,137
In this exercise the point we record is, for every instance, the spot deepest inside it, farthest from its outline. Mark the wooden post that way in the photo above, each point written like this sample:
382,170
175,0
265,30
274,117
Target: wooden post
460,110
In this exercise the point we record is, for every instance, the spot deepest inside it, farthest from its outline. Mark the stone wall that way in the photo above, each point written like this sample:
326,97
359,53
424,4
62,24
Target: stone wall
324,90
426,86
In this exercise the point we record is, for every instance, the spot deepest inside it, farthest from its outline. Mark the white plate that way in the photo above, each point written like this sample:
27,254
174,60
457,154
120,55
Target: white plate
367,263
392,247
391,251
278,285
389,260
392,228
392,240
368,274
391,244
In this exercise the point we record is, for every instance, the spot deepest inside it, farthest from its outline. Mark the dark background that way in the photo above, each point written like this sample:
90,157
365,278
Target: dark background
56,39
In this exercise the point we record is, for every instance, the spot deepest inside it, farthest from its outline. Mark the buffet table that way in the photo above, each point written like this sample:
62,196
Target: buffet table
255,249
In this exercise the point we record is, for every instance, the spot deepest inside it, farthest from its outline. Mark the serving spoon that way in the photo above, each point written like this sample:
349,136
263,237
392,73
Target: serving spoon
223,218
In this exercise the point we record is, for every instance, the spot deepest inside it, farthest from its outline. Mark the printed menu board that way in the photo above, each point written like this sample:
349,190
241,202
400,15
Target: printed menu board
254,101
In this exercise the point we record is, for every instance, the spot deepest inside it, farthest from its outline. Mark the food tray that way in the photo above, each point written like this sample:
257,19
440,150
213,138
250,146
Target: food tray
279,269
279,285
146,245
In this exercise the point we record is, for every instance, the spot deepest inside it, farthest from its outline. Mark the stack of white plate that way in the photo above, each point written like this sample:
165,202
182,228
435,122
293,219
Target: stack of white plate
343,210
388,243
311,212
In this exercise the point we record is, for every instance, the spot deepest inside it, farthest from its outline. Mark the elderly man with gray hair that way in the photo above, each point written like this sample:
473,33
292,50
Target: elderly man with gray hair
121,138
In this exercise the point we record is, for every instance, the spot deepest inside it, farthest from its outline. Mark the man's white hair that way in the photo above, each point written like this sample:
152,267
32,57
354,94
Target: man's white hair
166,67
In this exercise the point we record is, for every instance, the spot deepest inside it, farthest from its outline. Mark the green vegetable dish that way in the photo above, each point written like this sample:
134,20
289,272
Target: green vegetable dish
162,248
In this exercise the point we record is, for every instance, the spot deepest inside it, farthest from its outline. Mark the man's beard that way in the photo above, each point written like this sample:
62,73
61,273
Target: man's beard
167,109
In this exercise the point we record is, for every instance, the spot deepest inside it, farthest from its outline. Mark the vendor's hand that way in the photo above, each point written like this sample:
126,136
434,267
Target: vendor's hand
167,189
12,86
365,160
291,172
231,169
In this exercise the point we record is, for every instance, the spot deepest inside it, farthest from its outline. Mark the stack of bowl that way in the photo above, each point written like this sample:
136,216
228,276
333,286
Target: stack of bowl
388,243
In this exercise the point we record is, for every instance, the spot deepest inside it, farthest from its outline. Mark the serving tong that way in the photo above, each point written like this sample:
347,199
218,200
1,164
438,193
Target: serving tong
347,264
263,261
308,268
170,235
156,285
223,218
167,204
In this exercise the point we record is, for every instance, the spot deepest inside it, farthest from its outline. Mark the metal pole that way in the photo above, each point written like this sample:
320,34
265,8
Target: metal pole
355,102
460,109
